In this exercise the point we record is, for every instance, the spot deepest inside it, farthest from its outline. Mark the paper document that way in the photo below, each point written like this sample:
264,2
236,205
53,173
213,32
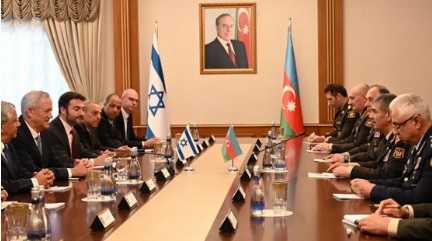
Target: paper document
323,175
346,196
318,152
58,189
322,160
54,206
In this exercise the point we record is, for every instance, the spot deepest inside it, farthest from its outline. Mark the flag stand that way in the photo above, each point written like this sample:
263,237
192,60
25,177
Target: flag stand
232,168
188,168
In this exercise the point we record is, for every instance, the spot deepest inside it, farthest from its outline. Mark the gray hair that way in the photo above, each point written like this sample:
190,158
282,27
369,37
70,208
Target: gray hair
221,16
384,101
411,103
32,99
6,112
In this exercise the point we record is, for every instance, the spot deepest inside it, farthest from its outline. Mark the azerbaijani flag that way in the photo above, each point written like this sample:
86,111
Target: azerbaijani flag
291,114
231,147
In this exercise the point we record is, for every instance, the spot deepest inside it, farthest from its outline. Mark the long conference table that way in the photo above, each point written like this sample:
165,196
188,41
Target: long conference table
192,205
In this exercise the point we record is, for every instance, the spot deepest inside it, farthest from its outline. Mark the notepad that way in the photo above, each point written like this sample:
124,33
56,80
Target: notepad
353,219
322,160
54,206
323,175
346,196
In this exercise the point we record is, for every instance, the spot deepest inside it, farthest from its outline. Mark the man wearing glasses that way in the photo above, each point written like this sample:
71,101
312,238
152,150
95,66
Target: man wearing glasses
412,123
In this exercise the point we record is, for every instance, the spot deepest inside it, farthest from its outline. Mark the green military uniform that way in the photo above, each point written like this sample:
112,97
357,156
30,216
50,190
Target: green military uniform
343,123
369,151
390,162
419,227
359,135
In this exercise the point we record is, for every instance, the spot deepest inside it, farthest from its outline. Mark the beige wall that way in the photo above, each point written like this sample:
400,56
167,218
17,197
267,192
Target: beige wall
222,99
389,42
107,46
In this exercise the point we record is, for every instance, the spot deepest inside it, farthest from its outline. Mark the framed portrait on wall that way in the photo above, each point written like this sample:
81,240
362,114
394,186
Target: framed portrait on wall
228,38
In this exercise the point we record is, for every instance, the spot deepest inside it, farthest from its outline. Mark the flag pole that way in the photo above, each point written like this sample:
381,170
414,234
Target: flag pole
156,28
232,168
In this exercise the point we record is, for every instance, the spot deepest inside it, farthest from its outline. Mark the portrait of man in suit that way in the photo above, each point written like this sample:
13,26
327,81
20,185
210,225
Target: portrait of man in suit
228,39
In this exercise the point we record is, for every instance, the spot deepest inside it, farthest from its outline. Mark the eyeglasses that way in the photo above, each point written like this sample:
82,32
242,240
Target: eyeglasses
399,125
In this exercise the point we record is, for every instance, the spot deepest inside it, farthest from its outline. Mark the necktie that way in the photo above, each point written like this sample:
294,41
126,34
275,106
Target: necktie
75,144
231,55
39,143
6,153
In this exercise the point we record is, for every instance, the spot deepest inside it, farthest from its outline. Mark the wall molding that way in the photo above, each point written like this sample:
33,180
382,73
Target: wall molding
126,46
330,52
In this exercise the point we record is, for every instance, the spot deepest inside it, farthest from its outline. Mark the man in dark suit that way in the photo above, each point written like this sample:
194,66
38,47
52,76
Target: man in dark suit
87,130
124,122
224,52
15,178
63,141
107,132
31,142
409,222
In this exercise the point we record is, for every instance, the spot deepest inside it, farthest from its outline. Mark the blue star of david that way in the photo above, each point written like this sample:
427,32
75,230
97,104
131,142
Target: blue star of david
160,104
183,142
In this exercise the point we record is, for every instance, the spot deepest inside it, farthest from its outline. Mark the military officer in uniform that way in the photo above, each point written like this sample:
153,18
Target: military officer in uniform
412,123
368,150
360,132
409,222
344,118
391,152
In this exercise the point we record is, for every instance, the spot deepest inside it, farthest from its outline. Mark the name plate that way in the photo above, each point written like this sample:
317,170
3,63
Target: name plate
148,186
258,142
181,163
199,148
246,175
252,159
128,201
212,140
102,220
229,223
163,174
256,149
166,173
204,144
239,195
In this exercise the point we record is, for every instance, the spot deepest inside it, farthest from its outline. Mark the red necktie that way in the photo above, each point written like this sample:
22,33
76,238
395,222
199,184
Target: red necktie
231,54
75,151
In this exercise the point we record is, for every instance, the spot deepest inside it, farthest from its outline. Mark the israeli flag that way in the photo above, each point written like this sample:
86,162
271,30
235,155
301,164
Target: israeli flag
157,116
186,147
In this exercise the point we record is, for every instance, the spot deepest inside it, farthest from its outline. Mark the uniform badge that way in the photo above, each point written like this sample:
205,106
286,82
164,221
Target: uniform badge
399,152
351,115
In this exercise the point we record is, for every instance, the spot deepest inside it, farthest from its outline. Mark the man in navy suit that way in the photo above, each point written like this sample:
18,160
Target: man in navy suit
224,52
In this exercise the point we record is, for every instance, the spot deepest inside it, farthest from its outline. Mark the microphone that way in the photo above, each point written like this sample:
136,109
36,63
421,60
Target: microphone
281,142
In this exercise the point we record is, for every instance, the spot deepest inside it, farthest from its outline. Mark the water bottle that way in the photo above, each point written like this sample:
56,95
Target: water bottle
267,160
257,199
195,134
274,133
107,182
134,171
37,222
169,152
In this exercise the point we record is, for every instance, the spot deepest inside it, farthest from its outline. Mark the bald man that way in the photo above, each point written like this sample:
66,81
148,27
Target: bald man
124,122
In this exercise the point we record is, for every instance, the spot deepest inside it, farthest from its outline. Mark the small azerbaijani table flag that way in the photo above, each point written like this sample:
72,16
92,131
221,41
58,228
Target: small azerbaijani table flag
291,114
231,147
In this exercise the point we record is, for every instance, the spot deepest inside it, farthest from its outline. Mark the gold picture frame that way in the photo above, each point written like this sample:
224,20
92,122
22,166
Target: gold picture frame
228,38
